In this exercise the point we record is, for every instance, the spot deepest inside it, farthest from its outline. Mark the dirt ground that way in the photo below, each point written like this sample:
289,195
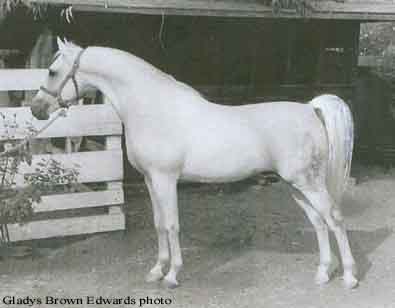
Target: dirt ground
244,245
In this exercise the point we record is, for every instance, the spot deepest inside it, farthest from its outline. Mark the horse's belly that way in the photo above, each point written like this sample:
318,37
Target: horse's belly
225,160
225,170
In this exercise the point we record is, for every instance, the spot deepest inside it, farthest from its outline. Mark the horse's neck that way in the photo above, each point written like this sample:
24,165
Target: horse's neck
129,82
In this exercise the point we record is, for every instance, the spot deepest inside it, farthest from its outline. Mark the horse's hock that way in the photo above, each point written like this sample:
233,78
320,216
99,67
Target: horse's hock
98,208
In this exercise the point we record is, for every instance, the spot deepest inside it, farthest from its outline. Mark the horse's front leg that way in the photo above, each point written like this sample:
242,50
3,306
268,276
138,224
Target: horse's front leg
156,273
164,189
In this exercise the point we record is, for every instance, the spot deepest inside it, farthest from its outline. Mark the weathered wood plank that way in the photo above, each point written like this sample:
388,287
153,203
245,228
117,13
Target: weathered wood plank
88,120
115,210
80,200
101,166
22,79
356,10
67,226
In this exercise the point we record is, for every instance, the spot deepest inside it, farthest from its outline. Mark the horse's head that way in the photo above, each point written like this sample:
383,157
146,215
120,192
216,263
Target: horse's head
65,83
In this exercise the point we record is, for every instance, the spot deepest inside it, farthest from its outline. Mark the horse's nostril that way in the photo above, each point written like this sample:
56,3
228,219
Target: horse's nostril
33,110
39,111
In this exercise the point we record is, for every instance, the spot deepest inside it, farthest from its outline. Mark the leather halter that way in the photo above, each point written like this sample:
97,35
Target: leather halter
66,103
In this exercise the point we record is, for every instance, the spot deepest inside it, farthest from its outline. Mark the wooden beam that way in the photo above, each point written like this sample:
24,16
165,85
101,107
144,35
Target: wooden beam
356,10
67,226
101,166
21,79
79,200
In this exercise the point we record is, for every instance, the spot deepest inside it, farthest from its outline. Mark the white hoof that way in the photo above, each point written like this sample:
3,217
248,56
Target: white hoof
349,281
322,277
154,276
170,283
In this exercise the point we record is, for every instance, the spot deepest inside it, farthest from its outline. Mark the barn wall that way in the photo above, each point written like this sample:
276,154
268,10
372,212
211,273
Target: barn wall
232,59
374,118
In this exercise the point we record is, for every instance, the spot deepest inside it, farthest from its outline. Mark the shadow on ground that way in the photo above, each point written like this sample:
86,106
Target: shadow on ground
244,245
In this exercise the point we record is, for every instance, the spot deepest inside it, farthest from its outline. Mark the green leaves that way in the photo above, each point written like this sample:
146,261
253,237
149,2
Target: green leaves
49,176
37,9
16,203
49,173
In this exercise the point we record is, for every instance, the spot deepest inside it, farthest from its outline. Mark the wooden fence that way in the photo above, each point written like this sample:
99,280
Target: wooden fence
71,213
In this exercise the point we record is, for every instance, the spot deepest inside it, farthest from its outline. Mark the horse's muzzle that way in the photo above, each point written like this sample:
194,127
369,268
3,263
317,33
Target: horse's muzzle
39,109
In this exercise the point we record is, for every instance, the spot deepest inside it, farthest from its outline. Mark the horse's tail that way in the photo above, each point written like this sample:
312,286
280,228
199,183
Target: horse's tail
340,130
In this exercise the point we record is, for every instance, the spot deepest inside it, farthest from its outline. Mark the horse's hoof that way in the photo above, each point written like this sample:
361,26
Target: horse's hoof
170,283
322,277
350,282
153,276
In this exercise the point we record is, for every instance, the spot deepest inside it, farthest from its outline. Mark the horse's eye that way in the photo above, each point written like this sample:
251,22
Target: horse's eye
52,73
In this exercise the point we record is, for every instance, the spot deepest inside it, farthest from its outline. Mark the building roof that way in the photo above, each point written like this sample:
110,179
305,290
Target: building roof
364,10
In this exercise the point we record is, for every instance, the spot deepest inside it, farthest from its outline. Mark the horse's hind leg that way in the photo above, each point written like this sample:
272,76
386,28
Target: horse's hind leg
156,272
321,229
326,206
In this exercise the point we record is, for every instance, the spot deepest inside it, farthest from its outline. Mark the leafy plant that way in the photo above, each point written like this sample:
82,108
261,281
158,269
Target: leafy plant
7,6
49,176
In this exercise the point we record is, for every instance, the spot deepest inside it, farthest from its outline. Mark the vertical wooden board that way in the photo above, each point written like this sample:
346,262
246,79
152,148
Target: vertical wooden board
113,143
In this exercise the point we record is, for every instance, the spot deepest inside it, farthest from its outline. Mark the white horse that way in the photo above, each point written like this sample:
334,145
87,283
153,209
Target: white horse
173,133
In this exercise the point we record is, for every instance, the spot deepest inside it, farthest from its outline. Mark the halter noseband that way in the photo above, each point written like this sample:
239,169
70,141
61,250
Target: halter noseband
66,103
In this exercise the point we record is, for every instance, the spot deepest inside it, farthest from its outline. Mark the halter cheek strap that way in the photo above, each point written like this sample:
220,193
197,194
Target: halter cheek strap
66,103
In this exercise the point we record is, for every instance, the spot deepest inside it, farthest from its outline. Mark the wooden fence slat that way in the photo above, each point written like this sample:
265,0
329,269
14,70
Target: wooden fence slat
66,226
22,79
89,120
101,166
79,200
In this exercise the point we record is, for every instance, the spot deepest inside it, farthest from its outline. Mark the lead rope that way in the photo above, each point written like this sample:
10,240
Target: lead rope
61,113
63,103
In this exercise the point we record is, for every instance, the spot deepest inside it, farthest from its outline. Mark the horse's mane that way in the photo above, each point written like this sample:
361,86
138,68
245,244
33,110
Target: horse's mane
158,71
142,62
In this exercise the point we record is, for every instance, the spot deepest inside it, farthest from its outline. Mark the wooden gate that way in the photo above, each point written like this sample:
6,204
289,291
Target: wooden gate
71,213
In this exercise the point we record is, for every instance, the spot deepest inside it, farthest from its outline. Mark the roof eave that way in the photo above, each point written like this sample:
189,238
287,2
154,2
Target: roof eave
337,11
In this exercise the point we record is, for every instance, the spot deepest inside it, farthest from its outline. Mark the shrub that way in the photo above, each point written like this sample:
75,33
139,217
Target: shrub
49,176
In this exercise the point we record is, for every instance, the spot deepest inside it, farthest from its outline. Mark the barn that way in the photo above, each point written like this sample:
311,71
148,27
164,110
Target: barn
234,52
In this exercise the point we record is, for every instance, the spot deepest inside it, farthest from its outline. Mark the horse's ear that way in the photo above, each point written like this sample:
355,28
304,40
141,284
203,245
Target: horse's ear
61,45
